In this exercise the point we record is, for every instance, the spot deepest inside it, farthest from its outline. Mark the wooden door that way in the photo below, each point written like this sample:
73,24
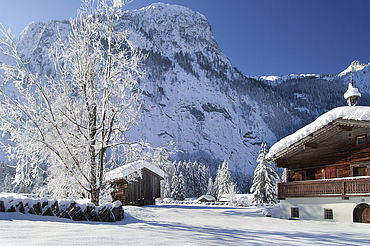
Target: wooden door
366,214
362,213
333,172
330,172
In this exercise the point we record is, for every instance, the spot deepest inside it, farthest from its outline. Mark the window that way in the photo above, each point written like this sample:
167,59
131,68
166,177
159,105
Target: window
294,212
359,171
328,214
361,139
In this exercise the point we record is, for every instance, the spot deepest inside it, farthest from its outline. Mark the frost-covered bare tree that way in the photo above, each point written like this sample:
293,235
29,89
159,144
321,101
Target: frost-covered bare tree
75,120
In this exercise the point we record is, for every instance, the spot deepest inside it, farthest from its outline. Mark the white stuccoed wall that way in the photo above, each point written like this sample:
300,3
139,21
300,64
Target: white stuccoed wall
312,208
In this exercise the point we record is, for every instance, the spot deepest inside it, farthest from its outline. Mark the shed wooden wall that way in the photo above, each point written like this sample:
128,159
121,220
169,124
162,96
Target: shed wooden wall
140,192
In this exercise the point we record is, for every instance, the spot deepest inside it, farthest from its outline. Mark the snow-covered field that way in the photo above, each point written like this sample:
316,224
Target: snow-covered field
180,225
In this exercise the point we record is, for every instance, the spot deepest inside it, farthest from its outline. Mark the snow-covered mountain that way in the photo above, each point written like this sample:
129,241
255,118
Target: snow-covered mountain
361,76
196,98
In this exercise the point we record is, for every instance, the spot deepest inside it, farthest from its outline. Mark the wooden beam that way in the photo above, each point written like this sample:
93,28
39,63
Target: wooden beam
311,145
346,128
358,123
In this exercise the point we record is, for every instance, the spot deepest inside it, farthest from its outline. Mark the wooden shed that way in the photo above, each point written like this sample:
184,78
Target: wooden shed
136,183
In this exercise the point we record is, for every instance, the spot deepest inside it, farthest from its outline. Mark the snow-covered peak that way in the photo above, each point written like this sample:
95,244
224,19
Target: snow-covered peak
169,10
355,66
274,80
37,37
352,91
347,112
270,77
170,29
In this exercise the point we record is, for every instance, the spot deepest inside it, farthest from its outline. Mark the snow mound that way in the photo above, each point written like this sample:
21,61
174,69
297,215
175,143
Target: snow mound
347,112
133,167
352,91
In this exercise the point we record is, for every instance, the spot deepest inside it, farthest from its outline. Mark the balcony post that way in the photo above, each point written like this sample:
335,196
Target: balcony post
343,188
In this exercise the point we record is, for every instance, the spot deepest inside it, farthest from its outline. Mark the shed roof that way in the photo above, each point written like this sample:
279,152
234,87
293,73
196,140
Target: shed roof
353,113
130,168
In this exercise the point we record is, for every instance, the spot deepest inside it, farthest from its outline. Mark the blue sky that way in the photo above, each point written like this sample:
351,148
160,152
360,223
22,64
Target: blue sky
260,37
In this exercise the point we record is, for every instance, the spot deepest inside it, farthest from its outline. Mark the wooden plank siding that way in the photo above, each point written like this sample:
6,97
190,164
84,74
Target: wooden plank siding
140,192
321,173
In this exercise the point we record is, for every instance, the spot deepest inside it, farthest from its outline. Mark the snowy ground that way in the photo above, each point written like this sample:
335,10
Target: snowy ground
180,225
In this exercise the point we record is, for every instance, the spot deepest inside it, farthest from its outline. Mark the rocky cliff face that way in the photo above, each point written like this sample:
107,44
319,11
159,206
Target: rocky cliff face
194,97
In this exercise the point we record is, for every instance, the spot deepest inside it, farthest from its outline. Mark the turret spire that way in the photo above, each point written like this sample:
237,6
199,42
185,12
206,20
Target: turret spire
352,94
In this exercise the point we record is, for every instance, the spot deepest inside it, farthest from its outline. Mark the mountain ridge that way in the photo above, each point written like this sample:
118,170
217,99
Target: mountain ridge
193,96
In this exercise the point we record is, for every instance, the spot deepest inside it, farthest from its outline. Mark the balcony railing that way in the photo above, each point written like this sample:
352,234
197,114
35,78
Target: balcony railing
325,188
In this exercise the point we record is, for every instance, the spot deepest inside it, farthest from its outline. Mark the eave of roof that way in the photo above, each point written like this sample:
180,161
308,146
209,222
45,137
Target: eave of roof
328,130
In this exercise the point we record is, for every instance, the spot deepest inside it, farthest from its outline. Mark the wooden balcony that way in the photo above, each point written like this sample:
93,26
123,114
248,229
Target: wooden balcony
340,187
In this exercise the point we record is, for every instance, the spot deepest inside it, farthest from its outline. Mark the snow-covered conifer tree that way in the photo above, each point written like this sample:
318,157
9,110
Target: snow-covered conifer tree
265,178
216,182
167,188
196,179
204,179
178,190
223,180
81,112
211,188
166,183
187,171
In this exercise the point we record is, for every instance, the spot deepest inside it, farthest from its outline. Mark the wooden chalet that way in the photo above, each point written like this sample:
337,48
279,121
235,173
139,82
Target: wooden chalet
136,183
328,167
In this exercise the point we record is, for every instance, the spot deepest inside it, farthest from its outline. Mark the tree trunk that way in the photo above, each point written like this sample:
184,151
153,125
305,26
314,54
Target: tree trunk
92,158
95,195
101,166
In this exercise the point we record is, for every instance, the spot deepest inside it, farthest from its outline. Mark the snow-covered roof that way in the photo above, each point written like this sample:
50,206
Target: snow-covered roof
207,197
130,168
359,113
352,91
